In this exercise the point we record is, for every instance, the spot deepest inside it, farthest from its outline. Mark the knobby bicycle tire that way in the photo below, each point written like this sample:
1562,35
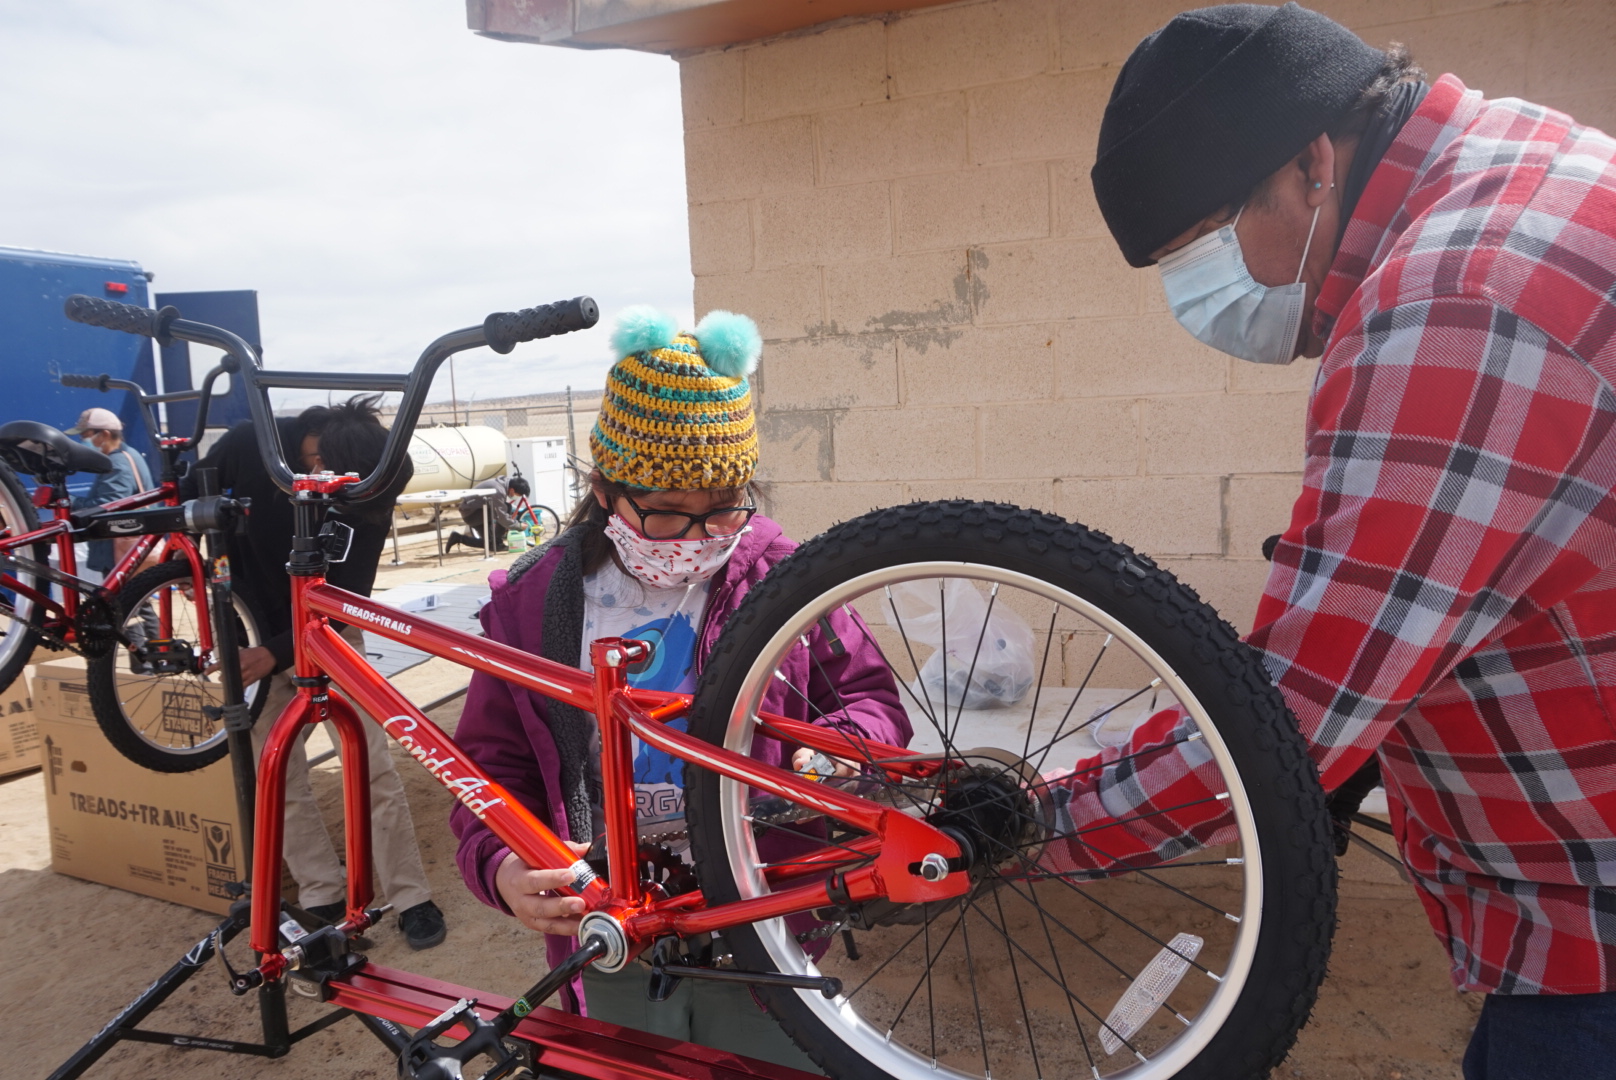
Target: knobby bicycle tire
153,720
1290,863
22,631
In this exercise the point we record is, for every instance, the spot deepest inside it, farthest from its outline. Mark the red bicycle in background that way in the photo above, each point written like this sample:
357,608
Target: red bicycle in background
940,912
151,610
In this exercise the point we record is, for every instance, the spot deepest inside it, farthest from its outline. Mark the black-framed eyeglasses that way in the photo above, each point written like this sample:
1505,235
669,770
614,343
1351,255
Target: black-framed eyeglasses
676,524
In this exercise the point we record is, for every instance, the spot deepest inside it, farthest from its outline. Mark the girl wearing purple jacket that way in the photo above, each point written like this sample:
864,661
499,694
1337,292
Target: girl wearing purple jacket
665,551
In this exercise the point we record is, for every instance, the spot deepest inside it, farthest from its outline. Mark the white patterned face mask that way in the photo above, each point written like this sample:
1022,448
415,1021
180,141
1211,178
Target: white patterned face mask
663,564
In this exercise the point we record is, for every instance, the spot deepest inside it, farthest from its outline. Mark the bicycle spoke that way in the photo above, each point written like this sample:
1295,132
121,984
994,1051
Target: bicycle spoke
970,971
1021,998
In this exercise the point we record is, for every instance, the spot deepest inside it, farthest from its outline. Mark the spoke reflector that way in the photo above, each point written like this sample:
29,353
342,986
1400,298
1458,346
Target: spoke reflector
1149,990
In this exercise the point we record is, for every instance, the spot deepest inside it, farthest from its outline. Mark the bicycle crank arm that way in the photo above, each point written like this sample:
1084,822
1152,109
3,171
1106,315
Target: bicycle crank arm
826,985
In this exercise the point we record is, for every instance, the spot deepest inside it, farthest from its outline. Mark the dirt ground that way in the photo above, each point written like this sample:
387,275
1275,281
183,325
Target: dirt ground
72,953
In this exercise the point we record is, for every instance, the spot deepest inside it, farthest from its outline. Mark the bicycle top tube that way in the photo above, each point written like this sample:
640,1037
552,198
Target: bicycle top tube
500,331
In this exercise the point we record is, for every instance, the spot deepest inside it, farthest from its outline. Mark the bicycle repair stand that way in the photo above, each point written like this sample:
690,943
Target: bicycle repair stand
543,1042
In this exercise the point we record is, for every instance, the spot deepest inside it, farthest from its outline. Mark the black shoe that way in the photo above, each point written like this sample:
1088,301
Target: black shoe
423,926
457,538
331,913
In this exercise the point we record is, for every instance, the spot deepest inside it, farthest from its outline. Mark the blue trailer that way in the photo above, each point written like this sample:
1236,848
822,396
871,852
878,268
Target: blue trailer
38,343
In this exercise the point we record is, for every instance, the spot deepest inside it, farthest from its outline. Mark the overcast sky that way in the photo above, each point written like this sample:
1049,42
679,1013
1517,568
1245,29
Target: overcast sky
376,171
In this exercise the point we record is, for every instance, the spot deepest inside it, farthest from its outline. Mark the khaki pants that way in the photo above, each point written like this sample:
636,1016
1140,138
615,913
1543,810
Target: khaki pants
307,847
723,1016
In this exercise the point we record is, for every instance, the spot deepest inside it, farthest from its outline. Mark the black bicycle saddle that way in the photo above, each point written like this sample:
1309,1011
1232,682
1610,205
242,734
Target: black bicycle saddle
39,450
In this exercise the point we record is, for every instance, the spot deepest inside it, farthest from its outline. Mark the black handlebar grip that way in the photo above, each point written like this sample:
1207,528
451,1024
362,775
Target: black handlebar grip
87,382
94,311
504,329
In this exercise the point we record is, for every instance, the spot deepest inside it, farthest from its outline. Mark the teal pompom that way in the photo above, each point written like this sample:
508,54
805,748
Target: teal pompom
730,343
642,328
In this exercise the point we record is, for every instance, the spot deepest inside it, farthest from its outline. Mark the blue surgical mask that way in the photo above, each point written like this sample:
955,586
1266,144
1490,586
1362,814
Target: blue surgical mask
1215,298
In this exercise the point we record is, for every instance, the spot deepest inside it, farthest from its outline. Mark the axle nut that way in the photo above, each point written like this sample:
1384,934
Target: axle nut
934,867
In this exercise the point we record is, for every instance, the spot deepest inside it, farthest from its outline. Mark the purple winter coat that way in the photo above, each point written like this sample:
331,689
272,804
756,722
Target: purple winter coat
503,727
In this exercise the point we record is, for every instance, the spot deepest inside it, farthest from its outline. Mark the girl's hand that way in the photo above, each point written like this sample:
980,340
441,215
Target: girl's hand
527,892
800,760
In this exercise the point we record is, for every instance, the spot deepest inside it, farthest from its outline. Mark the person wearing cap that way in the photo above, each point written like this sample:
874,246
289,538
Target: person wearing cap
1444,597
130,475
665,550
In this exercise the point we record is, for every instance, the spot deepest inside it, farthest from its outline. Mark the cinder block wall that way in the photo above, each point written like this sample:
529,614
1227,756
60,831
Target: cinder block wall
904,207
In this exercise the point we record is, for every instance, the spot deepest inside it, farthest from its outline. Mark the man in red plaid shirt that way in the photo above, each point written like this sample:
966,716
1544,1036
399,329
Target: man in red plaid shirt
1445,595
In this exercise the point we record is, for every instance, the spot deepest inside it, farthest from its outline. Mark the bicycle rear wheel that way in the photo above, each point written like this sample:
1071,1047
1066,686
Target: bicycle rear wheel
153,709
20,617
1169,939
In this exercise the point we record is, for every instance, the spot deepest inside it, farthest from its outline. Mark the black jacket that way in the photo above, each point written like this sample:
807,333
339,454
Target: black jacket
258,557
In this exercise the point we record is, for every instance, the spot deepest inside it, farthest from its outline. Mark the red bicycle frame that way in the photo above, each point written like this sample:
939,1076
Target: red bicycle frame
895,843
60,615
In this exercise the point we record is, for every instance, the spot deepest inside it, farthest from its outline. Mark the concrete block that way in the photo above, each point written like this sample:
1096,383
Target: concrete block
1036,119
711,86
892,138
905,444
978,364
1224,433
1152,297
1158,515
720,238
930,290
1231,586
1076,212
841,372
825,225
1248,378
1029,494
1061,439
794,446
1361,15
1039,280
1135,355
1255,508
1102,33
981,205
1591,108
1488,48
784,303
806,510
748,159
1573,46
842,66
967,45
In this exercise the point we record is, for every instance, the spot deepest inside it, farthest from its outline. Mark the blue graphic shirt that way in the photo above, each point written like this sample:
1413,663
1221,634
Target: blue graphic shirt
618,605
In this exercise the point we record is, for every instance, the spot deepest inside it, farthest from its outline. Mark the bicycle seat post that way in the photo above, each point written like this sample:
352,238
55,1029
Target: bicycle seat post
233,709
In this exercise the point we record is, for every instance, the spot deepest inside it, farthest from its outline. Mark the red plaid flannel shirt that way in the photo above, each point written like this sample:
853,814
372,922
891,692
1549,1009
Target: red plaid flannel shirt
1445,594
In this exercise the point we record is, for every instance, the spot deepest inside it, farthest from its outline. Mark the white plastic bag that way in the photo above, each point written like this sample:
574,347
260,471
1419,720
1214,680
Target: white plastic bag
999,663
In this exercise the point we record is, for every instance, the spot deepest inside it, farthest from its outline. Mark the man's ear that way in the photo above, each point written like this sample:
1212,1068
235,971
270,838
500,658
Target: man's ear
1317,163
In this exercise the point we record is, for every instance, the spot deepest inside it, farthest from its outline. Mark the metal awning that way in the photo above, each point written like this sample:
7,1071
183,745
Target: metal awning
662,26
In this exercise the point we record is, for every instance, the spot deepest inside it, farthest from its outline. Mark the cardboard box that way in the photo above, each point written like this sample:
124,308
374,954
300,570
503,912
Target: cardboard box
19,735
174,836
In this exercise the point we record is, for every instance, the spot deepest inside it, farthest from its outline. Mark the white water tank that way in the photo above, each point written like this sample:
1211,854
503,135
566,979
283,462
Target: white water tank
455,457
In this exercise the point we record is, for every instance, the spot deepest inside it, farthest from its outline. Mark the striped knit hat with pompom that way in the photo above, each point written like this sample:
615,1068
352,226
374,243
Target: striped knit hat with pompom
677,411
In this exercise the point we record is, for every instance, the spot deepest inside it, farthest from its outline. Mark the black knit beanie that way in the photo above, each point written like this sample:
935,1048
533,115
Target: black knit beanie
1212,103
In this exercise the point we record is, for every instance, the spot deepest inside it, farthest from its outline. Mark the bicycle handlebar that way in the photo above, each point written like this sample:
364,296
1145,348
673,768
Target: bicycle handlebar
504,329
500,331
147,322
203,396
